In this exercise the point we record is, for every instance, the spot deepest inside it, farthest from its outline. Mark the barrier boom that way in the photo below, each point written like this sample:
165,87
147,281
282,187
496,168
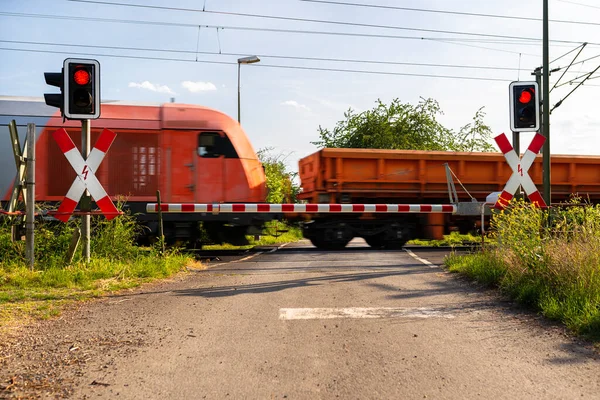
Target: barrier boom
301,208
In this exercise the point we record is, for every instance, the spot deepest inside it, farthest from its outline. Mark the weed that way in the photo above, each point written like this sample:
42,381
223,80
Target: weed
116,263
549,260
274,232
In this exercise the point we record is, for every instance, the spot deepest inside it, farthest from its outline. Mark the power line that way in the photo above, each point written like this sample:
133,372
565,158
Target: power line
469,14
568,52
300,58
578,4
161,23
367,35
262,65
355,24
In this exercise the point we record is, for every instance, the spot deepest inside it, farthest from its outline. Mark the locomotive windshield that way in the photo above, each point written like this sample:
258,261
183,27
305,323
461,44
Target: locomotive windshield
215,144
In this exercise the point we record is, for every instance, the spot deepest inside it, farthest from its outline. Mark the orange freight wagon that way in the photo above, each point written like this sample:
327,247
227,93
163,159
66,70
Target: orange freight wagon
409,176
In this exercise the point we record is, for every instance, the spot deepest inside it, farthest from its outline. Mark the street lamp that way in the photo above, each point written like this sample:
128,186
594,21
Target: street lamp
244,60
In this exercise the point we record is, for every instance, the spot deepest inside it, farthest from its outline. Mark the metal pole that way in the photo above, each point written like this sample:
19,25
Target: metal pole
516,143
239,118
30,226
86,204
517,147
538,78
161,231
546,109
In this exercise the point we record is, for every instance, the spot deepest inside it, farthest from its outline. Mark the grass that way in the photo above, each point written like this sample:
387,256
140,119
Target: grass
275,232
549,261
453,239
116,264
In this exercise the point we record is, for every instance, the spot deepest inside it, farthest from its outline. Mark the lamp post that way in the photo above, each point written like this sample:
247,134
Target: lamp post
244,60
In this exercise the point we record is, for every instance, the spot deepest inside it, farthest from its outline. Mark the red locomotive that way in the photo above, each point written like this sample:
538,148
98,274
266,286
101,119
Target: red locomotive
189,153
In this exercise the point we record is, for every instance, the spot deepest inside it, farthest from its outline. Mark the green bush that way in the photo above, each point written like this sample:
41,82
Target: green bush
116,262
549,260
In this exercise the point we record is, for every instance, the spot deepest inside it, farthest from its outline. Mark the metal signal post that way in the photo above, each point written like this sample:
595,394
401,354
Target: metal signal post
546,107
86,201
79,98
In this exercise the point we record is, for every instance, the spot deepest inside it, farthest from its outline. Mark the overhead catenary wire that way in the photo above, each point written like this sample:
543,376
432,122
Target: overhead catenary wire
311,20
566,69
574,89
265,55
451,12
568,52
578,4
523,41
450,40
262,65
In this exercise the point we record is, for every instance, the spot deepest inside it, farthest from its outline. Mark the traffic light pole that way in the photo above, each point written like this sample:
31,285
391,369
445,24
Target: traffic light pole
517,146
546,108
86,203
516,143
538,78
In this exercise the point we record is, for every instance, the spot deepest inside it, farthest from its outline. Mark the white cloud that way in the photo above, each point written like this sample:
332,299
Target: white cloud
152,86
295,104
196,87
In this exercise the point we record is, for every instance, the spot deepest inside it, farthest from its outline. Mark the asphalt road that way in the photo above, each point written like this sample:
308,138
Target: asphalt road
299,323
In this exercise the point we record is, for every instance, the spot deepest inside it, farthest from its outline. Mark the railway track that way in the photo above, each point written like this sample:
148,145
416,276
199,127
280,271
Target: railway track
232,254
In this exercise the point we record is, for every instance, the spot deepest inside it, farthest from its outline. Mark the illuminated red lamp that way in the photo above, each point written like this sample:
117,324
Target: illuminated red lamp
81,77
525,97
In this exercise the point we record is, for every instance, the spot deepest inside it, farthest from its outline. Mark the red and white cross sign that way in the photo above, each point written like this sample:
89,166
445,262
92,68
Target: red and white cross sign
86,178
520,166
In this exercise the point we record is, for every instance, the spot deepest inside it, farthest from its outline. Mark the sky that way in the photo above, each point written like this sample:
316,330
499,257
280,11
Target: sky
298,86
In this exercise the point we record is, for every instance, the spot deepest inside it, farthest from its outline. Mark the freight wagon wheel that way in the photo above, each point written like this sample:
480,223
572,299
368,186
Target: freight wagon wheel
388,240
376,241
395,245
322,244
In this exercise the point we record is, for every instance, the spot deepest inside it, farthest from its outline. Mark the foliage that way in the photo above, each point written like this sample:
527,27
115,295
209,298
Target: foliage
280,182
405,126
116,263
453,239
549,260
275,232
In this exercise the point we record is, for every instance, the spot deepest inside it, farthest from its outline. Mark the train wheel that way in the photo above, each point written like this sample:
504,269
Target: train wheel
376,241
394,245
322,244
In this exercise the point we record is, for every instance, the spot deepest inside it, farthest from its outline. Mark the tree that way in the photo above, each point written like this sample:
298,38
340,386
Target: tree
405,126
280,182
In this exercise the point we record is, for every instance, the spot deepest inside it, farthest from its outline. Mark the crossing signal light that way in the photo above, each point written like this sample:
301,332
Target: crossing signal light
81,88
524,107
79,83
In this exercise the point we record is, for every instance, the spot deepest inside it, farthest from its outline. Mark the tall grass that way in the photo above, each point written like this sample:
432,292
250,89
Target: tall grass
549,260
116,263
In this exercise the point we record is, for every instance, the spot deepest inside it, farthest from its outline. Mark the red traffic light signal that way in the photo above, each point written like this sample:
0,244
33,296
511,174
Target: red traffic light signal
524,107
81,76
525,97
81,88
79,83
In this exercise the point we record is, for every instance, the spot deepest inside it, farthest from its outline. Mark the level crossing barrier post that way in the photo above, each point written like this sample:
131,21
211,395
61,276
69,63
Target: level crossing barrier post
30,207
161,232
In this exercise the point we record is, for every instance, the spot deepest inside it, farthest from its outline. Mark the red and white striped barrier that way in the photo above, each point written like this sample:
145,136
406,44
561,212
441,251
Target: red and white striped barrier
86,178
301,208
520,166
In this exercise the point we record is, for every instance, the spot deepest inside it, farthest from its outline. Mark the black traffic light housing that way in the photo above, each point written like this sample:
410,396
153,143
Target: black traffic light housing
81,88
524,107
79,83
52,99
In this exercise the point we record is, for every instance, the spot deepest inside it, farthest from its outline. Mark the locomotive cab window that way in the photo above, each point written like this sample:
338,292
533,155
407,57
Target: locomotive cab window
215,144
